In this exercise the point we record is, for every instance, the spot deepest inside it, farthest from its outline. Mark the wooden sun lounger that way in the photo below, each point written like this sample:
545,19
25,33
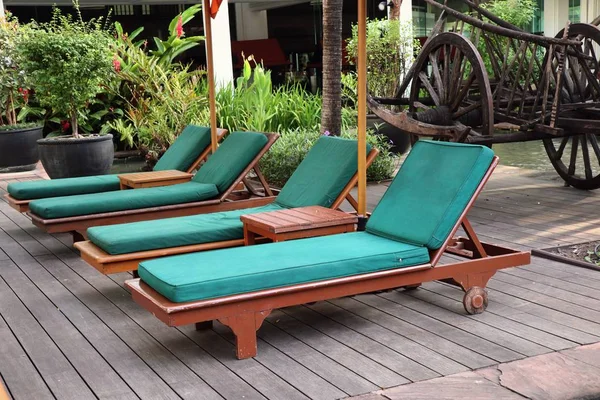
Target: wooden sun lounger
78,225
112,264
22,206
244,313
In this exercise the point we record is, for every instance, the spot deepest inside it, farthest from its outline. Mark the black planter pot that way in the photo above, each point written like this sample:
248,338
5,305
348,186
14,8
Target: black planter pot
400,140
67,157
19,149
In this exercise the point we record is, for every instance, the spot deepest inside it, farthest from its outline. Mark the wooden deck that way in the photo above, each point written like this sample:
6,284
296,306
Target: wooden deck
68,332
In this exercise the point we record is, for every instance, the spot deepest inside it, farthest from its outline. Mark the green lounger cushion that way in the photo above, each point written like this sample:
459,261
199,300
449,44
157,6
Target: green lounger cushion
173,232
211,274
190,143
85,204
40,189
232,157
322,175
180,156
430,192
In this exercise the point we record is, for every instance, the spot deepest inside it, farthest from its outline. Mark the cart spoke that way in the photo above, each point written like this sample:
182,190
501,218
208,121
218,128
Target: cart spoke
594,142
425,81
586,158
561,148
573,161
437,78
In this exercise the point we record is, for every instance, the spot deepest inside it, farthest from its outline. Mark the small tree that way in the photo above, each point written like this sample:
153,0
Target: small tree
66,60
390,53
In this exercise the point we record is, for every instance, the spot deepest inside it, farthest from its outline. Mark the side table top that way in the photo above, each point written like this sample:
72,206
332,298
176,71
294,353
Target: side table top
296,219
154,176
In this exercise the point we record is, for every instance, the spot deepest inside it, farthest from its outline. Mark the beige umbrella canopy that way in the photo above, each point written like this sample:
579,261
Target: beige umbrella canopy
213,6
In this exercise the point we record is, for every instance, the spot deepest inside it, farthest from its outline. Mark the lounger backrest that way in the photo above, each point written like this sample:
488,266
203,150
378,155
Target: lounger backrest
322,175
430,192
230,159
185,150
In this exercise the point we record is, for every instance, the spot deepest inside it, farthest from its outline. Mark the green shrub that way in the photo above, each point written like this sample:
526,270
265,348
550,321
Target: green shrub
66,61
285,155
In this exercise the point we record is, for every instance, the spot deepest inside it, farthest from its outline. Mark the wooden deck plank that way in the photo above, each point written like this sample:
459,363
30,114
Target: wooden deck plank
587,328
265,381
95,371
563,336
149,368
548,300
343,354
577,295
210,370
454,334
336,374
19,374
403,345
449,349
548,341
297,375
384,355
457,318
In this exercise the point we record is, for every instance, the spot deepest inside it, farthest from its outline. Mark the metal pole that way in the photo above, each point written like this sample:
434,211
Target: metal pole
362,107
211,74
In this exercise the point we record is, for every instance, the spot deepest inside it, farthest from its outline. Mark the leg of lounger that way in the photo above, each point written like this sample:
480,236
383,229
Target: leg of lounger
244,327
203,326
77,237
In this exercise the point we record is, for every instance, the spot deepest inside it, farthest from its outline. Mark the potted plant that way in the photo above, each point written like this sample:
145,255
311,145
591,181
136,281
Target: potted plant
18,147
390,53
68,61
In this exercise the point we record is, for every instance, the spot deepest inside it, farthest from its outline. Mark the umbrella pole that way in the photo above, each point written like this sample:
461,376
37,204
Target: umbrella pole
211,75
362,107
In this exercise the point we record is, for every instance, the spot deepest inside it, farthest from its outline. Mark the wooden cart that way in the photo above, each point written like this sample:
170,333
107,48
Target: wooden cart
481,71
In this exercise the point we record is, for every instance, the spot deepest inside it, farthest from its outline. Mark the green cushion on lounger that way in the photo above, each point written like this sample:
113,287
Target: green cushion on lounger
39,189
173,232
333,160
70,206
205,275
192,141
232,157
430,192
181,155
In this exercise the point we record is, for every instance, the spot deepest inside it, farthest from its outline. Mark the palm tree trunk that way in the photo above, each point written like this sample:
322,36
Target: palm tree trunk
331,113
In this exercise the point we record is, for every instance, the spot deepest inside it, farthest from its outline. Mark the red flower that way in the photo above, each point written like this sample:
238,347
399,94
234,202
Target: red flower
25,94
180,27
116,64
65,125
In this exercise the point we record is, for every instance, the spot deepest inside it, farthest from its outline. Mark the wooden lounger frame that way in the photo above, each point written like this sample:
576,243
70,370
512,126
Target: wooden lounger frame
22,206
244,313
112,264
79,224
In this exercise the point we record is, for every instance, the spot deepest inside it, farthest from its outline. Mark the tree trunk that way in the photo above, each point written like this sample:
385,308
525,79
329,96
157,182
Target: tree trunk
331,113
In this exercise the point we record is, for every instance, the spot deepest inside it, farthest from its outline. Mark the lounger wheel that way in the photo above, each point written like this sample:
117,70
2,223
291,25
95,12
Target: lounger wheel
475,300
410,288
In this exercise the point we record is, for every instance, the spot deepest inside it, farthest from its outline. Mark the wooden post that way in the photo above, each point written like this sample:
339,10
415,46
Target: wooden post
362,107
211,74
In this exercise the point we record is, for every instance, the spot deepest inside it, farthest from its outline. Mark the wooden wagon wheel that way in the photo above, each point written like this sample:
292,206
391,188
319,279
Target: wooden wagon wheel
451,87
576,158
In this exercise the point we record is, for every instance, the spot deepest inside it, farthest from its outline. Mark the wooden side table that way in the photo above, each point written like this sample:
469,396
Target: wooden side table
296,223
148,179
